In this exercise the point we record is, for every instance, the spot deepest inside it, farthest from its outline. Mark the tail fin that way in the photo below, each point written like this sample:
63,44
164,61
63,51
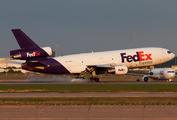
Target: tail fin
23,40
29,50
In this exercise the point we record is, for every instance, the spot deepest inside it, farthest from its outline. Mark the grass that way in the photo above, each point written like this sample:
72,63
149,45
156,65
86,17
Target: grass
90,88
91,101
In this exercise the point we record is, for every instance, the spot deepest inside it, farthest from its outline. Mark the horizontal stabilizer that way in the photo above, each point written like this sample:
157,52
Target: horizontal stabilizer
14,62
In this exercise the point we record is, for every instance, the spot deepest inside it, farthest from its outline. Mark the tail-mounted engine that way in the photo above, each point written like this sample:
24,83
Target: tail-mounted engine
27,54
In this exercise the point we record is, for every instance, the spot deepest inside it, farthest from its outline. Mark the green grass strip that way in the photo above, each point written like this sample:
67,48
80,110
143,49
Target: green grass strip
92,88
91,101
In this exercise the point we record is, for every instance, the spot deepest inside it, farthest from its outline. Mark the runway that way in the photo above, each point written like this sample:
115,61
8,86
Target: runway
29,82
120,112
126,94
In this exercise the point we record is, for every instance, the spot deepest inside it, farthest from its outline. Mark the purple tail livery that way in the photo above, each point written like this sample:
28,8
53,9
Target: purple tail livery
35,56
29,50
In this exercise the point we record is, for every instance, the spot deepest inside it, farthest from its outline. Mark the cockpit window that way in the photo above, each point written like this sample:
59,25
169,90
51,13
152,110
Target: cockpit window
169,52
170,71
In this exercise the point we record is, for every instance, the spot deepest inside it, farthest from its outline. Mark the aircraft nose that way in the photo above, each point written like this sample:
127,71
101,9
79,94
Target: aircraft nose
170,55
173,75
173,55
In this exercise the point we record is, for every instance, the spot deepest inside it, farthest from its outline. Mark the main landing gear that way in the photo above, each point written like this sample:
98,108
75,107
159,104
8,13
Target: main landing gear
91,79
94,79
90,70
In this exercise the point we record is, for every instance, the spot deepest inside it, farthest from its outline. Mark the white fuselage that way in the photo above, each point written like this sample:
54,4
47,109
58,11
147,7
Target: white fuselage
163,73
138,57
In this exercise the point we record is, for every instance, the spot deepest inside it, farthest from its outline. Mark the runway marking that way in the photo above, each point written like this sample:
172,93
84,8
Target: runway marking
35,118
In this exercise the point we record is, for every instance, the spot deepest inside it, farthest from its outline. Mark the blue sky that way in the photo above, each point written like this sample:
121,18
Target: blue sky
81,26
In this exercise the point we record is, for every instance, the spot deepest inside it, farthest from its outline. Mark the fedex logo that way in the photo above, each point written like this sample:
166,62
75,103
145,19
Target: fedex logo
121,69
139,56
35,53
162,72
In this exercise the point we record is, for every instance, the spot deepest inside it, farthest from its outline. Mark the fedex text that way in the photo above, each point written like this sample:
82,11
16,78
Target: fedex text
121,69
33,54
139,56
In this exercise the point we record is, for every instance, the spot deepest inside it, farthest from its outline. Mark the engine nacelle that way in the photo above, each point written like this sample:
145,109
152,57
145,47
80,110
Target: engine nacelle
31,54
119,70
145,78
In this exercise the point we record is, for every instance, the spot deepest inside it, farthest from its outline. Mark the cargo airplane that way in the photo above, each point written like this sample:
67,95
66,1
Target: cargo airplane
159,74
117,62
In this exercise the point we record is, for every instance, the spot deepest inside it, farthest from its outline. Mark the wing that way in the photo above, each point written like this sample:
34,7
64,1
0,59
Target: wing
37,64
104,66
135,74
100,68
150,76
154,76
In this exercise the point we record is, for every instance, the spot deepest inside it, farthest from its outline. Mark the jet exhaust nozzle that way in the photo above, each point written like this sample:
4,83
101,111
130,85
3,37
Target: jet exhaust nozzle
18,56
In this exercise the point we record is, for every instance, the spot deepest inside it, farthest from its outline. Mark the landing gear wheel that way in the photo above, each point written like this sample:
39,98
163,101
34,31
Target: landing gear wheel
79,77
146,79
96,79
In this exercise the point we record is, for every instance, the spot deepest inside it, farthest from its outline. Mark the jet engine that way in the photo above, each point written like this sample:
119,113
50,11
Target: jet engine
119,70
145,78
31,53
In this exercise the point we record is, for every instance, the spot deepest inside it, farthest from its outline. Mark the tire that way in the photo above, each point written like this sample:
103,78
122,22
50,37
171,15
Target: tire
96,79
146,79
